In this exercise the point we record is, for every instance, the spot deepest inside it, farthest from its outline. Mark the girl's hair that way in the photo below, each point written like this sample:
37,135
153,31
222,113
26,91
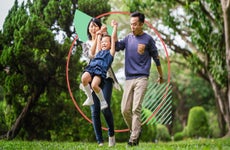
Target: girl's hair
106,35
94,21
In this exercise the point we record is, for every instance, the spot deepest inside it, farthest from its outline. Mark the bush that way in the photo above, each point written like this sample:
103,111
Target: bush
185,132
178,136
149,130
162,133
3,126
213,125
198,122
149,133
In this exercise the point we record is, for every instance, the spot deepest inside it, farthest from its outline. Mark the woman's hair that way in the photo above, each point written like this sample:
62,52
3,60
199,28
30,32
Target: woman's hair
94,21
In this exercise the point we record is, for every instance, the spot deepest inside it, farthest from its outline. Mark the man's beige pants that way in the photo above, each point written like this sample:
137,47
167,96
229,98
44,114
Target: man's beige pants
134,91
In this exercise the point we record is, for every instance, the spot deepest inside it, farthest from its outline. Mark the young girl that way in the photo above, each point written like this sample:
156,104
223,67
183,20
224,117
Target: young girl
96,71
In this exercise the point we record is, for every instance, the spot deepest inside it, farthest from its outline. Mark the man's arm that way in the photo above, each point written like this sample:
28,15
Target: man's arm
160,73
155,56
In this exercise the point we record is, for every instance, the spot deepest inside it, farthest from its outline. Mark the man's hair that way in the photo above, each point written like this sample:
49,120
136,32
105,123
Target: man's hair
139,15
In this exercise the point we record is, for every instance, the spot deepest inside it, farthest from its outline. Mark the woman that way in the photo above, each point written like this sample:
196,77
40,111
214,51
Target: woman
94,26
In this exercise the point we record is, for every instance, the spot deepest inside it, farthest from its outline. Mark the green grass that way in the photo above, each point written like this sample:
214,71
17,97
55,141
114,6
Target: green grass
201,144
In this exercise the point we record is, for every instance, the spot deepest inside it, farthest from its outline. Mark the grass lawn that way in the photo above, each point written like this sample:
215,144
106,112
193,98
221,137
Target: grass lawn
201,144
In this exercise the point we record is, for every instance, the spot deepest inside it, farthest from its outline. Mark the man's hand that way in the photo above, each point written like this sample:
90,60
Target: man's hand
160,80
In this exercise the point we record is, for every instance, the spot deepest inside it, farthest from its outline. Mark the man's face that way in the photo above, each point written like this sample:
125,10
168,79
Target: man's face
135,25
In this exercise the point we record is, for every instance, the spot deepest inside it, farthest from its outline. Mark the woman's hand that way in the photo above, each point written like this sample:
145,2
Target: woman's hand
98,32
103,29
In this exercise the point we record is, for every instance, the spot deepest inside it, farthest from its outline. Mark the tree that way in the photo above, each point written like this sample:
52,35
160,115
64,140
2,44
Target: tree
36,59
36,38
93,7
203,41
226,109
189,90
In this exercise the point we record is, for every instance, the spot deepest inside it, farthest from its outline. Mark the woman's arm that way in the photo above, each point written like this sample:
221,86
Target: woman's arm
99,35
93,49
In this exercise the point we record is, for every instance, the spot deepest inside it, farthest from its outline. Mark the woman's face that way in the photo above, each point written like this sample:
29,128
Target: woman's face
93,28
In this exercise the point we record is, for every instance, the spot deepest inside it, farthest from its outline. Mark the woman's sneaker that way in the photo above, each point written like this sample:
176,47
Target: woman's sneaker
112,141
100,144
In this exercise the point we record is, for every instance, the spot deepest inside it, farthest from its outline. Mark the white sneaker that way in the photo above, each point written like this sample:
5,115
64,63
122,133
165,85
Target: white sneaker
81,87
100,144
104,104
112,141
88,102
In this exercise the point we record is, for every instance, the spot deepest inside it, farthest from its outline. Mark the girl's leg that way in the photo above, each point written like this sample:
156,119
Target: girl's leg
86,78
95,85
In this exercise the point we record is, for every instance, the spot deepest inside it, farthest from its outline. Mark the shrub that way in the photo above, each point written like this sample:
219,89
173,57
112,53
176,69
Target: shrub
3,126
163,133
198,122
178,136
149,133
185,132
213,124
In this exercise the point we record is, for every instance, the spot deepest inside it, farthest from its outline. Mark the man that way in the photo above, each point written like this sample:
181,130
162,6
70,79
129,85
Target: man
139,48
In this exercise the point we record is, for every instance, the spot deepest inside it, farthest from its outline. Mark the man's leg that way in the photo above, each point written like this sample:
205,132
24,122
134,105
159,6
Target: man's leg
139,93
126,103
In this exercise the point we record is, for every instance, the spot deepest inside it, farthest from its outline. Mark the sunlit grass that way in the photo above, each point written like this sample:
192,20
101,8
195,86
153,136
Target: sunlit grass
199,144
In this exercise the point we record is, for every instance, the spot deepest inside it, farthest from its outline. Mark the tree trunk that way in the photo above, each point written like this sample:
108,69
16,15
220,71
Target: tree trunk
222,104
13,132
221,121
226,11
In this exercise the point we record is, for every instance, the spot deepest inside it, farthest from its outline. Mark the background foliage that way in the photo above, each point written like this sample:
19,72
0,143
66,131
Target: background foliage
36,38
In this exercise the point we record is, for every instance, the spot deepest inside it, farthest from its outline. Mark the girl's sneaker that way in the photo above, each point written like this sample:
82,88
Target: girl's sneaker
88,102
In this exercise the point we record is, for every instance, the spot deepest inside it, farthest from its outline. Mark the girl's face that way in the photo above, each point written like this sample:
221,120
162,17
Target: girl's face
105,43
93,28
